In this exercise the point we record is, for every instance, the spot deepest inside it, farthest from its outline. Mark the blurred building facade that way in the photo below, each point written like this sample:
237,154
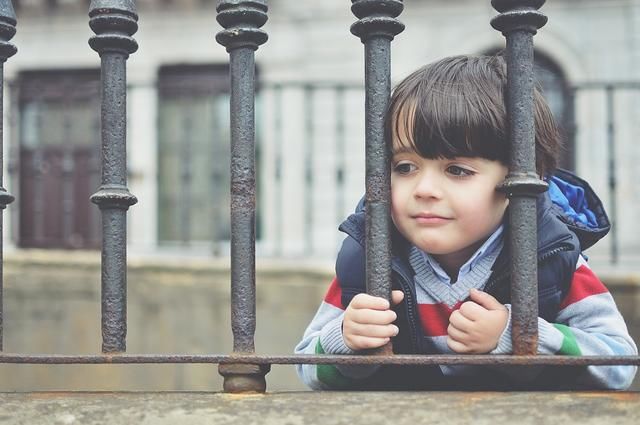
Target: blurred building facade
310,118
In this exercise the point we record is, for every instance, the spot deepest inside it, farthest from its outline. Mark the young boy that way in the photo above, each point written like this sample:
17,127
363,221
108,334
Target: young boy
447,132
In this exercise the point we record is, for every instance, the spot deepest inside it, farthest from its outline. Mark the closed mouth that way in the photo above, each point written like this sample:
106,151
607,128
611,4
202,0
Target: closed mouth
430,219
430,216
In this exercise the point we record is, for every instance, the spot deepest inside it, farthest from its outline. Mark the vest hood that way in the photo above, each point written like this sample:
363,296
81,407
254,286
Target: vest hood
576,204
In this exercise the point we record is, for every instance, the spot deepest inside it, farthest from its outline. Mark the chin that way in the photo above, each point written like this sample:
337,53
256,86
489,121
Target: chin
432,249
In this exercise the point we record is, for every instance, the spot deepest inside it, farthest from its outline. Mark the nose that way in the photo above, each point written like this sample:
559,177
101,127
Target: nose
428,185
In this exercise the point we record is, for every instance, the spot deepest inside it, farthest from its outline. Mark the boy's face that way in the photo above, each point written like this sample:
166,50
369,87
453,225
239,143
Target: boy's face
446,207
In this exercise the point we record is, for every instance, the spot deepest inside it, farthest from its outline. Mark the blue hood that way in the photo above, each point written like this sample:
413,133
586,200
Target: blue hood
577,205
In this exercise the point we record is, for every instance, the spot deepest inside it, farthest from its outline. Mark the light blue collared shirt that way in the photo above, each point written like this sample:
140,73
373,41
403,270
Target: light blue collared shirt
493,243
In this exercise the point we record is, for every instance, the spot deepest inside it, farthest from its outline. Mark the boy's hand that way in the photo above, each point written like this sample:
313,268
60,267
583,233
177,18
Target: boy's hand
368,321
477,325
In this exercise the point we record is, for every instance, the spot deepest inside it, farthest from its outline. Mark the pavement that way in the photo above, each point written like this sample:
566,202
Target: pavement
293,408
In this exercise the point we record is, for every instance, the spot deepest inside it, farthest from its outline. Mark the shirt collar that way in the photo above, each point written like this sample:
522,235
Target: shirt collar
488,247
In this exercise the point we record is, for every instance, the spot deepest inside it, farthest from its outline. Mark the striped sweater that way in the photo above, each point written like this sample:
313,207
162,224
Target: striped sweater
588,323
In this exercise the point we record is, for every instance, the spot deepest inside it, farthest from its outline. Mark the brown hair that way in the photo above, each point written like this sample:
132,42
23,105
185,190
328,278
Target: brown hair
457,107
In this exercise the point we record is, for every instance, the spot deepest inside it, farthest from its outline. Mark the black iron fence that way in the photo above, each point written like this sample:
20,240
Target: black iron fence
115,22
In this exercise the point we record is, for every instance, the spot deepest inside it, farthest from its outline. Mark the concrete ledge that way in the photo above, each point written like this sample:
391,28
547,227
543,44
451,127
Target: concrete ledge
370,408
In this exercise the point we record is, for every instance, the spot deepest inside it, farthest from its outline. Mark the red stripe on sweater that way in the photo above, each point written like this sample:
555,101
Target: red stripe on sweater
584,283
334,294
435,318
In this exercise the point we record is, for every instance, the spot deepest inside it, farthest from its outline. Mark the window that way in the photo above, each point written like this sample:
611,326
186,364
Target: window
556,92
193,156
59,140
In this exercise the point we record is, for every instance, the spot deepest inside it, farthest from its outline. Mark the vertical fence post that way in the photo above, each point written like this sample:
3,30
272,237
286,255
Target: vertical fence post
7,31
242,36
376,28
519,21
114,22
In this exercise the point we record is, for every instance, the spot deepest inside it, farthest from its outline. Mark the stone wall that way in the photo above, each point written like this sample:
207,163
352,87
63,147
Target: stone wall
52,305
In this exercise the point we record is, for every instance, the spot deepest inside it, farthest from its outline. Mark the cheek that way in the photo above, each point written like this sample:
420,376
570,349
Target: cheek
396,199
396,209
398,206
497,208
486,211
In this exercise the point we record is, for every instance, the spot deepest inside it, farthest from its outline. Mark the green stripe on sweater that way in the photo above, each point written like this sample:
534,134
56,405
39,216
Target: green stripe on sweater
569,344
329,374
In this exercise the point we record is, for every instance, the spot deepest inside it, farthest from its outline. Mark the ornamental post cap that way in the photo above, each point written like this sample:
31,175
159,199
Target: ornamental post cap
125,5
504,5
376,18
242,20
363,8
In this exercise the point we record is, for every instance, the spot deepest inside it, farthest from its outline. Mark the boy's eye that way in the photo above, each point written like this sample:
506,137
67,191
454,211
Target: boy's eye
404,168
457,171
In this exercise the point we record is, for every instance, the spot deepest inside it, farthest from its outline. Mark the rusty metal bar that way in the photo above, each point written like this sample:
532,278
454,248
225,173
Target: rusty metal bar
7,31
258,360
376,28
114,22
242,37
519,21
611,171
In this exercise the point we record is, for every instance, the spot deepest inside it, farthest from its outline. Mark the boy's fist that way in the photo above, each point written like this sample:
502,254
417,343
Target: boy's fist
477,325
368,321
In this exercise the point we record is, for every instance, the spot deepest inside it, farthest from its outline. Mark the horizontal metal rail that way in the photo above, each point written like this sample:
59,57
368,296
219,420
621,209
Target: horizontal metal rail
397,359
